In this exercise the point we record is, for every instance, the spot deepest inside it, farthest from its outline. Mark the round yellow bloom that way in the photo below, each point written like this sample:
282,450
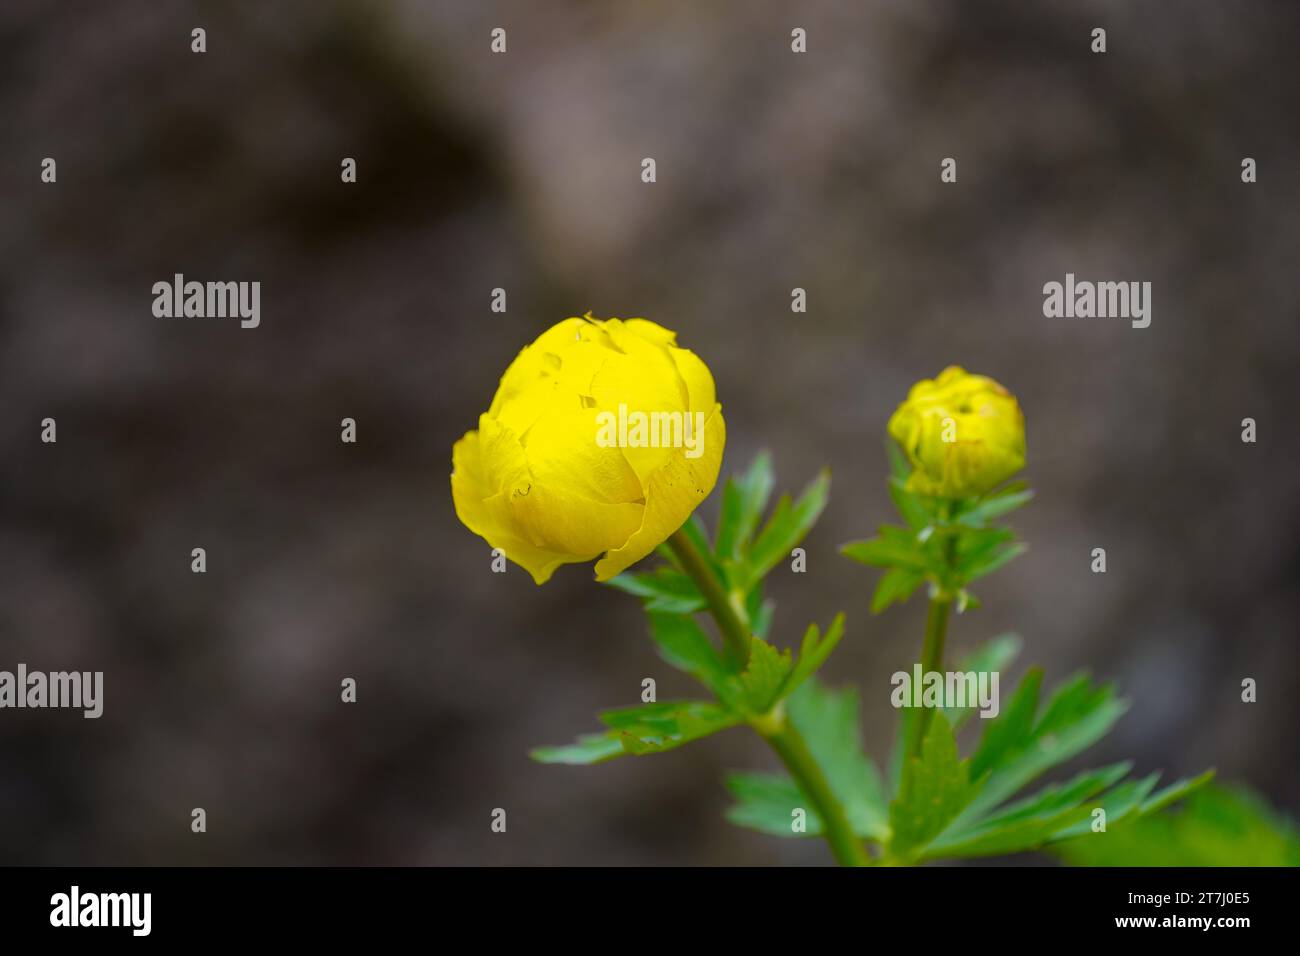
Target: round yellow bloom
603,437
964,434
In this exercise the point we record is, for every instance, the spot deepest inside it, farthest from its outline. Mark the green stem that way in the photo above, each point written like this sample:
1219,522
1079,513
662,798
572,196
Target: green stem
735,631
789,745
936,628
774,727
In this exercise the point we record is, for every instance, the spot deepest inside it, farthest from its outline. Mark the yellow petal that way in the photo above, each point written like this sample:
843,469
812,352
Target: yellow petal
564,451
467,486
620,385
535,360
503,466
698,379
674,491
486,514
653,331
564,522
553,518
643,375
538,561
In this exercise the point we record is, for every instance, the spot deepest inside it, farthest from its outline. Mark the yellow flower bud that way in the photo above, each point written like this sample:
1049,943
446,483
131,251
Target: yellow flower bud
603,437
964,434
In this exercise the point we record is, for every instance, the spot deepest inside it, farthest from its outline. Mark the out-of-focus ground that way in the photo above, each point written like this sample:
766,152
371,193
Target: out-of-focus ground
522,171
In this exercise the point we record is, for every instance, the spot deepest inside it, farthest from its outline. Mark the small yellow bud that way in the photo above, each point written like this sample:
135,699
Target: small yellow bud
964,434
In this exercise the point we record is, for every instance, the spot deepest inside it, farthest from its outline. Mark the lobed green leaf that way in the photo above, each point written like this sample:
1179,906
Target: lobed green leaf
663,590
684,645
828,721
788,526
936,787
1215,826
764,676
650,728
743,501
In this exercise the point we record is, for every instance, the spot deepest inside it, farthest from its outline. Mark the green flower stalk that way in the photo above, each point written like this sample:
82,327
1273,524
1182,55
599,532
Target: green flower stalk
546,480
957,440
773,726
963,435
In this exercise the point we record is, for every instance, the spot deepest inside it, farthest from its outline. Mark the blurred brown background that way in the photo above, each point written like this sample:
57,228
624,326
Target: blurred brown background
522,171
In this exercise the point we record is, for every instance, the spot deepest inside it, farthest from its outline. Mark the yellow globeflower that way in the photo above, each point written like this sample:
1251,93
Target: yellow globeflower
603,437
964,434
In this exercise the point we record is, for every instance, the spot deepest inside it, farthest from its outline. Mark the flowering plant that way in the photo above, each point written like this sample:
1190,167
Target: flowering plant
536,482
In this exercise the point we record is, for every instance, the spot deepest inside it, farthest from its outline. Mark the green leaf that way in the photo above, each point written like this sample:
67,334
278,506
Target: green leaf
975,542
1175,791
813,653
764,676
902,733
912,507
1055,797
982,551
895,587
992,562
650,728
1023,742
1077,716
664,589
996,504
788,526
743,501
889,550
828,722
934,791
1048,751
730,519
767,802
900,469
666,725
1214,826
1029,823
1071,702
759,611
684,645
1119,802
1133,799
1012,730
994,656
587,749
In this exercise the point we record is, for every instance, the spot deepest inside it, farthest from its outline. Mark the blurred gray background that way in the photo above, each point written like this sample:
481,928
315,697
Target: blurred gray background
521,170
